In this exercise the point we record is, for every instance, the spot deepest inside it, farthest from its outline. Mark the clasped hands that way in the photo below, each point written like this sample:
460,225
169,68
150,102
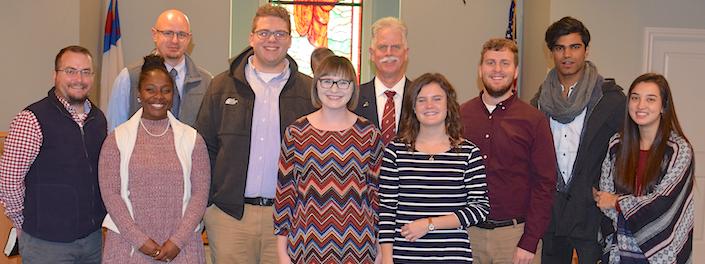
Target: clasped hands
166,252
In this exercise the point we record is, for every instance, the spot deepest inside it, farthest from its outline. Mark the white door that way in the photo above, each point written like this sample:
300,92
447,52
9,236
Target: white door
679,54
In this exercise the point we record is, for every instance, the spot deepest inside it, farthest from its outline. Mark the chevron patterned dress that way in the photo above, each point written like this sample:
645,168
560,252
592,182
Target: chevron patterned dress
326,199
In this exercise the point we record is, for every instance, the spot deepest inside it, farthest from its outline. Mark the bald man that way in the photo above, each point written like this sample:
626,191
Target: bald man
171,34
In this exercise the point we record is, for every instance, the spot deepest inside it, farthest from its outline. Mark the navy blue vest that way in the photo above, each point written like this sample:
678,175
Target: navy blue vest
62,200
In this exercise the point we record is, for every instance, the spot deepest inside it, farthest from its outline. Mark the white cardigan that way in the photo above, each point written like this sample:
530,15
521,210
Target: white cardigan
125,137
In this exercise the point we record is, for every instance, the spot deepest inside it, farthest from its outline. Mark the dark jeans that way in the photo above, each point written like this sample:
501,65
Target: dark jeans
86,250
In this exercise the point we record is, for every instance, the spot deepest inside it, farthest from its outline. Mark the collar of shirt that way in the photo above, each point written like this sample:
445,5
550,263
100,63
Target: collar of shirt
180,73
398,87
570,89
78,118
267,77
180,68
380,88
501,105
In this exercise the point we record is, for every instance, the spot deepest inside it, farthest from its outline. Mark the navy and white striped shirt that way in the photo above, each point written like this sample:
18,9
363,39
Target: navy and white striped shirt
415,185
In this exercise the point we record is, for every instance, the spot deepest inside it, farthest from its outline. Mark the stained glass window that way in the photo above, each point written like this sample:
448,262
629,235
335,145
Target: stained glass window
335,24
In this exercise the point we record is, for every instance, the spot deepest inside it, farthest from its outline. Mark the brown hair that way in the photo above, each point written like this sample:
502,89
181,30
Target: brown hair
498,44
273,11
628,151
318,55
74,49
338,66
409,127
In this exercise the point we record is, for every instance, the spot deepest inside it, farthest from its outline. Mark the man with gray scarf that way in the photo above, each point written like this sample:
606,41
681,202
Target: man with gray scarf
584,110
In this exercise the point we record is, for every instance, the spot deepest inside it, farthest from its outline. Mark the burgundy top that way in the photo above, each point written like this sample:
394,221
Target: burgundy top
520,162
640,171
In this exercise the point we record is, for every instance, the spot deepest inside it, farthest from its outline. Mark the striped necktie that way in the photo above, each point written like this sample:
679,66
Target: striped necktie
389,120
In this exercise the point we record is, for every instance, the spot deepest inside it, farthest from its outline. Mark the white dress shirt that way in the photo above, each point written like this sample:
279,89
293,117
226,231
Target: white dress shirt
566,140
380,88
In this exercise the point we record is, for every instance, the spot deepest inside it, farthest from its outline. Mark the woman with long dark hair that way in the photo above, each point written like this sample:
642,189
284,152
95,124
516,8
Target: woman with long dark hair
646,188
432,181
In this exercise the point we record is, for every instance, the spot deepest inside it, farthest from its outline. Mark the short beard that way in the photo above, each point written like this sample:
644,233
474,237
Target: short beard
497,93
74,100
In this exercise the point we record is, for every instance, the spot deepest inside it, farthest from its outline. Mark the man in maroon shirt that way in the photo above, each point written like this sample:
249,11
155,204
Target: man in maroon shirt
516,143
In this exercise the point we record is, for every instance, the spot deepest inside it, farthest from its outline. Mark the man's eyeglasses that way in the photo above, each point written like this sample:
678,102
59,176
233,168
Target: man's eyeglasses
71,72
181,35
342,84
278,35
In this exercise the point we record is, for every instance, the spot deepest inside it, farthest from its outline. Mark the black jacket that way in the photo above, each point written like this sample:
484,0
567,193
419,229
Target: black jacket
225,122
574,212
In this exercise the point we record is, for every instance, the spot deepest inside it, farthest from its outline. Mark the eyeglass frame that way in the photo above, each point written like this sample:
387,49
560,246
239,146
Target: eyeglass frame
279,35
169,34
73,72
336,83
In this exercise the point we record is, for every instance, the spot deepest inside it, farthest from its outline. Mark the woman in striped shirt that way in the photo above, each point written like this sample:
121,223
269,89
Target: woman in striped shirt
432,181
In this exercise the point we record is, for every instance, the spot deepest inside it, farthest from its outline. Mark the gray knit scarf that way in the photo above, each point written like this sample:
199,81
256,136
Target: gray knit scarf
563,109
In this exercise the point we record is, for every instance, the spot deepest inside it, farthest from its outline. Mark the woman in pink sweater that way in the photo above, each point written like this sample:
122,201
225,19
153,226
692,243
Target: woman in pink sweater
154,177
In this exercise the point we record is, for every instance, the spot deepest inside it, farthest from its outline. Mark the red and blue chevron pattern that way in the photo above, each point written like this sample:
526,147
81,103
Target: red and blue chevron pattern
326,200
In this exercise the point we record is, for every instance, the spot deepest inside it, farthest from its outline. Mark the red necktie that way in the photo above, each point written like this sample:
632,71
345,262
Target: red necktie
389,121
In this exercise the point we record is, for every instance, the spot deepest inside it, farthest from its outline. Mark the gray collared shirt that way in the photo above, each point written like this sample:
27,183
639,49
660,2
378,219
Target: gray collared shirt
265,141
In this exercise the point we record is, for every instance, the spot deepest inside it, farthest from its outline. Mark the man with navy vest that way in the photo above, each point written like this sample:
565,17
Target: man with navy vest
171,35
49,169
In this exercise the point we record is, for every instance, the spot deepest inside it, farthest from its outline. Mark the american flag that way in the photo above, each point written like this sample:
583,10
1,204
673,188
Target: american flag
511,24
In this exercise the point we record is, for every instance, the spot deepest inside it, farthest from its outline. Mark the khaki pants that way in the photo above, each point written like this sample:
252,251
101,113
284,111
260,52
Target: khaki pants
496,246
250,240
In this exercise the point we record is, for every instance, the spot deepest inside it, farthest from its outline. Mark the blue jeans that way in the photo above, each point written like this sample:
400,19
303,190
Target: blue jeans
86,250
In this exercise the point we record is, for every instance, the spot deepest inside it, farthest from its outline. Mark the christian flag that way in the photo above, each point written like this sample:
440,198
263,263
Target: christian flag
112,53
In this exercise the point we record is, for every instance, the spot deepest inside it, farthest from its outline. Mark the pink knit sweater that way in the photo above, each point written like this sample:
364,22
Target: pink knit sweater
156,192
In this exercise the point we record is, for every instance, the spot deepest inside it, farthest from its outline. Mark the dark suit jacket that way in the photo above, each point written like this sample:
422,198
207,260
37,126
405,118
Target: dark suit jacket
367,104
574,211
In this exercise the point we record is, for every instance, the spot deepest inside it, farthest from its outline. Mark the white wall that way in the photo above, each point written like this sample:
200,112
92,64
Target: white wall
33,32
447,37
